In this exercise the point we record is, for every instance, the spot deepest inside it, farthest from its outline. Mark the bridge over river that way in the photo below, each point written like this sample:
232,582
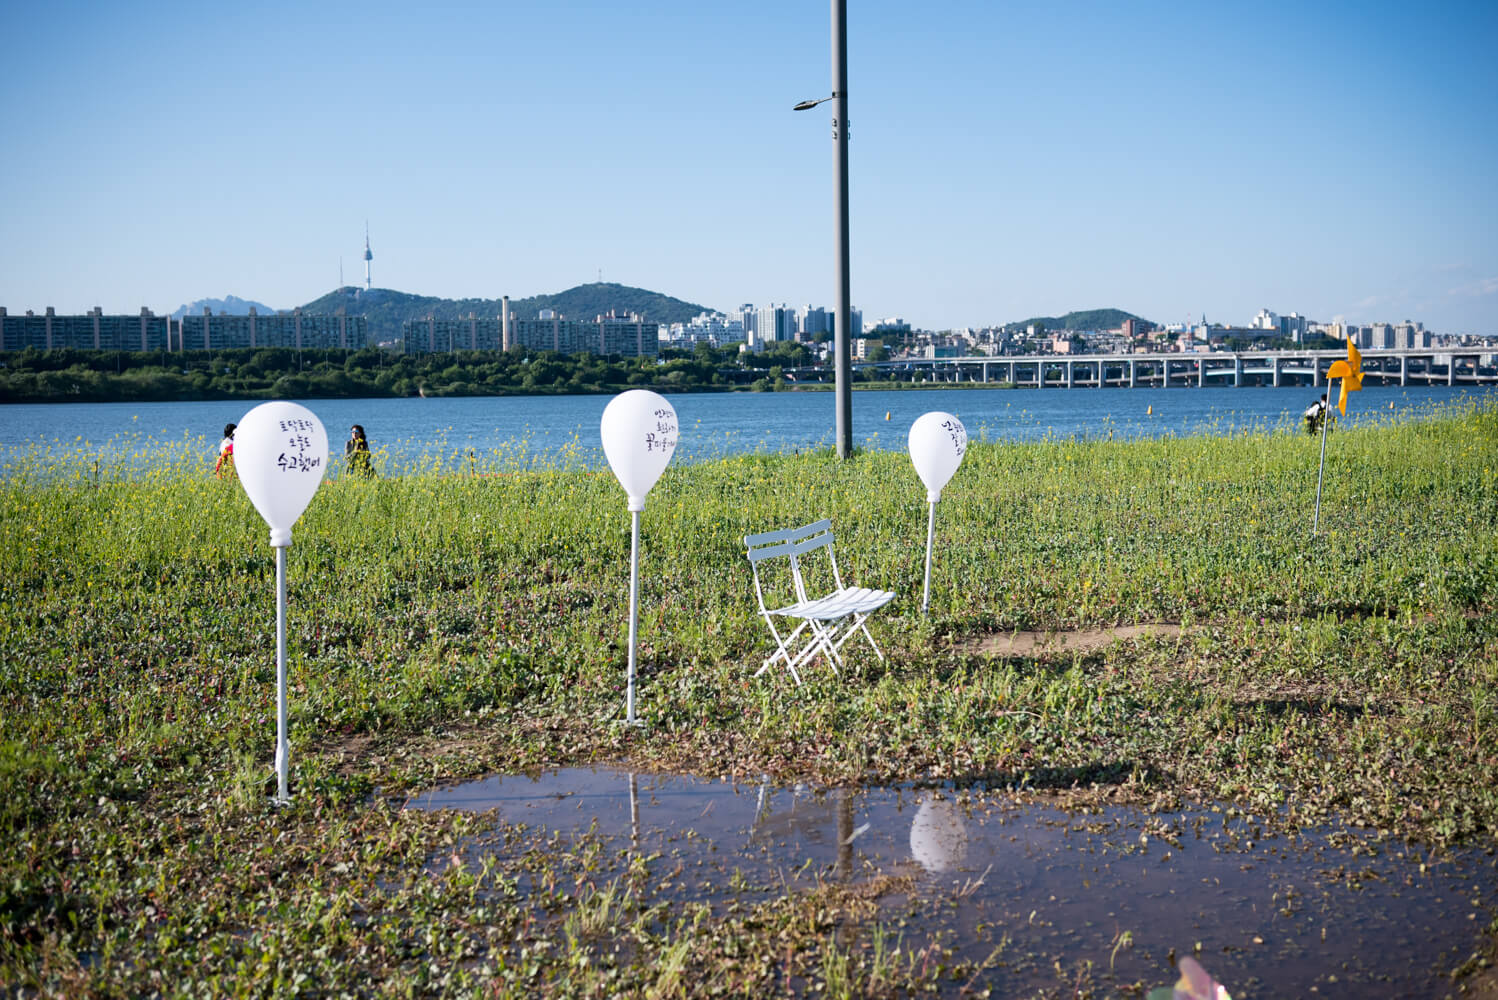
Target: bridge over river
1444,366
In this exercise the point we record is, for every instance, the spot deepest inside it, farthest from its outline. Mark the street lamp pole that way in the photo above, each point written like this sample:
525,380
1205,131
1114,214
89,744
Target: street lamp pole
842,364
841,336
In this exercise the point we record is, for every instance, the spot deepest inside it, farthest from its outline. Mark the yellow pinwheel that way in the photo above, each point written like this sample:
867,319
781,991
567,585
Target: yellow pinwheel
1350,372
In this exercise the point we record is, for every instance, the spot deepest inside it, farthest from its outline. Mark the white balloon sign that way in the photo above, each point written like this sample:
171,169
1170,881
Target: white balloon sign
639,437
280,455
937,443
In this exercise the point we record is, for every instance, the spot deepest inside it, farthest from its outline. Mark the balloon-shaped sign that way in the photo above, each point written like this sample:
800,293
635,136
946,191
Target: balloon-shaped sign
280,454
639,436
937,443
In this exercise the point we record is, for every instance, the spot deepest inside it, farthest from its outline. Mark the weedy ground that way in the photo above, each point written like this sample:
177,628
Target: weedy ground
447,625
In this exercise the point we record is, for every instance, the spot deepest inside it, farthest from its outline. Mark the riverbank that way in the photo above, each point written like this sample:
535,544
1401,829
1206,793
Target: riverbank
445,627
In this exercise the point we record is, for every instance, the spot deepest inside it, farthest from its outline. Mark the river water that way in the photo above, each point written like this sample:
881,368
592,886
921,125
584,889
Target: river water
535,431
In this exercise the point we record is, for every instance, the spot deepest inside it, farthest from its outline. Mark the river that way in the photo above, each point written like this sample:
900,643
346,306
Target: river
536,431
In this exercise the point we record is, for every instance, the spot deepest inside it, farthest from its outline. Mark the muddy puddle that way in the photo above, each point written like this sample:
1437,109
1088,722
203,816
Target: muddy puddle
1044,895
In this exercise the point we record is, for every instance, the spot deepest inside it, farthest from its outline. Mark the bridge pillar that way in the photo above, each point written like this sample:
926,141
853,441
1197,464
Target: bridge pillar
1274,364
1070,373
1130,363
1201,371
1451,371
1315,371
1404,369
1238,371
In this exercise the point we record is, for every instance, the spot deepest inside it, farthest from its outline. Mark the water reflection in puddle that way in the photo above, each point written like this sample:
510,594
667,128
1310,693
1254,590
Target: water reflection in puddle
1324,913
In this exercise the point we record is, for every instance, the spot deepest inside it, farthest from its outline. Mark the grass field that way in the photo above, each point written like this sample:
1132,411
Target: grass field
445,626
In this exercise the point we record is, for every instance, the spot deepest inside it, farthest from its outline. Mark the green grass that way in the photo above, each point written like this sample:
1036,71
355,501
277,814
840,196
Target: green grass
445,626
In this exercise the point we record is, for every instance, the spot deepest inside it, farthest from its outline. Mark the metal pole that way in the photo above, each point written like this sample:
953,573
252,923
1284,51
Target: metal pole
930,536
841,340
634,604
283,752
1326,418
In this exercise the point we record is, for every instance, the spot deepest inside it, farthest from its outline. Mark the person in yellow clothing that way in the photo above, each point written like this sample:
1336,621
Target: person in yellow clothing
356,452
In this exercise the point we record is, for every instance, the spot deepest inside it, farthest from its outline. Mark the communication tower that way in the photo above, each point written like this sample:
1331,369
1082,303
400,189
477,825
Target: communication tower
368,256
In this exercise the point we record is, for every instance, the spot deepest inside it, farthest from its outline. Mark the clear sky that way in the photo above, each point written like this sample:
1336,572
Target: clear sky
1007,159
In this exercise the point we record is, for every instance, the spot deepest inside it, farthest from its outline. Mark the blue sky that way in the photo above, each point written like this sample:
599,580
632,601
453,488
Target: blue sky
1007,160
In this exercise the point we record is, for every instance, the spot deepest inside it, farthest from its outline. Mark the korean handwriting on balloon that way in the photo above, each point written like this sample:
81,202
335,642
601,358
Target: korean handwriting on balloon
298,442
958,433
659,442
663,438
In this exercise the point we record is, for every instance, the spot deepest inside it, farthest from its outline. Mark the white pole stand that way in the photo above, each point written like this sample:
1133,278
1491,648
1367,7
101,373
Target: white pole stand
283,752
634,613
930,538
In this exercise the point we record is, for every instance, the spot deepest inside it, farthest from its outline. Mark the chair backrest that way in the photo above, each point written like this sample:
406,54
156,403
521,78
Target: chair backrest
792,543
789,541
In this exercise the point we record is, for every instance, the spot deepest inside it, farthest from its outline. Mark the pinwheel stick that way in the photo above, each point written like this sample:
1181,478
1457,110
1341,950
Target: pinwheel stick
1350,372
1326,418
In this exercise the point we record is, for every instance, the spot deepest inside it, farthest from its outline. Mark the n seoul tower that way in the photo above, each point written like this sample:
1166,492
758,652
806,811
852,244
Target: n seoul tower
368,256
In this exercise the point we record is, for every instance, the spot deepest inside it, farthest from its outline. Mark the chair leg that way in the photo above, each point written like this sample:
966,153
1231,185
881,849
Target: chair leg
857,626
816,643
782,645
826,634
783,650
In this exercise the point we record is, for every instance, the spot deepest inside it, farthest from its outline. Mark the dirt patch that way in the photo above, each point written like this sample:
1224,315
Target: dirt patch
1083,640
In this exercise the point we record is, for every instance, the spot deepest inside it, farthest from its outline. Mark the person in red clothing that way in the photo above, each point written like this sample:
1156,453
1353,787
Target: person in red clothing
224,467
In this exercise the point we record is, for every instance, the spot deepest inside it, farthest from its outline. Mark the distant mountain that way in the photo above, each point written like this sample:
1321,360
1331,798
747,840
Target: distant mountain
386,309
1087,319
231,305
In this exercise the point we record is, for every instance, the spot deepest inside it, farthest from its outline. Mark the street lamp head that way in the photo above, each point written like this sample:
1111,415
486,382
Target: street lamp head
808,105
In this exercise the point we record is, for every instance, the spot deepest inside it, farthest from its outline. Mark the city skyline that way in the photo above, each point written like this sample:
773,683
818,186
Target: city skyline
1165,160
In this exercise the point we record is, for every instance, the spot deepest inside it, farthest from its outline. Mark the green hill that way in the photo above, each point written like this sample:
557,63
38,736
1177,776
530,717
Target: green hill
386,309
1086,319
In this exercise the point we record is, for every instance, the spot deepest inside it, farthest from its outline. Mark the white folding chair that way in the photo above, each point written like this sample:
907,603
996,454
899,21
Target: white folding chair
843,608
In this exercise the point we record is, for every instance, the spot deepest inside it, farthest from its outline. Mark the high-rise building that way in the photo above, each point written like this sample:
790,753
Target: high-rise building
630,336
772,323
294,329
812,322
91,331
207,332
